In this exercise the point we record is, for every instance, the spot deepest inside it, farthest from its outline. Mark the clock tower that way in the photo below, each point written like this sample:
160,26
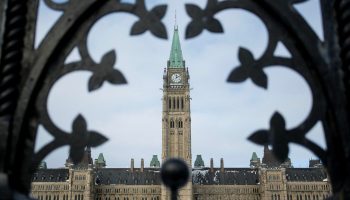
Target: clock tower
176,119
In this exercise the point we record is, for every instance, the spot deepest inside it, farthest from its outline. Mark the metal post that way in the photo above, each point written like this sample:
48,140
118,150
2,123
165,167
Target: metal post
174,174
3,127
173,194
3,6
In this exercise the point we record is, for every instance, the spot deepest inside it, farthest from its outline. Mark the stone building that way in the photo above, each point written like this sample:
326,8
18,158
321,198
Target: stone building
267,179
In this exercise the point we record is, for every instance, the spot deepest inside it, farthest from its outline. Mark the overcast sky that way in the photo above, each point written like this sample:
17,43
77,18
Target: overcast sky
223,114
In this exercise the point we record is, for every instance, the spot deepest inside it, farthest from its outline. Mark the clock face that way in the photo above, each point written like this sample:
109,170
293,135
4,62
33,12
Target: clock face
176,78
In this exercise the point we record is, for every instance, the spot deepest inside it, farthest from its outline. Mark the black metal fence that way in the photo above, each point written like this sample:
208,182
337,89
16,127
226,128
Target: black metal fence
28,74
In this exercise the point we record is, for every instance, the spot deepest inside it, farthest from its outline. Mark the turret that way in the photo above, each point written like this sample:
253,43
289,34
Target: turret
100,161
42,165
155,162
254,161
199,162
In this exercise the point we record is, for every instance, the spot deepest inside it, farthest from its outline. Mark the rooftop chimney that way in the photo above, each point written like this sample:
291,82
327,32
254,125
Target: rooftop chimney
142,164
222,169
211,165
132,165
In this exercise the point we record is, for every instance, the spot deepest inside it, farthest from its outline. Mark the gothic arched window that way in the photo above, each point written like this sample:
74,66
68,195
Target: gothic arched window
182,103
173,102
177,103
180,124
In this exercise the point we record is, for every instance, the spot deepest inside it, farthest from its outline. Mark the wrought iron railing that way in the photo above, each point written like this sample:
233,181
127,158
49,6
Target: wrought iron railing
28,74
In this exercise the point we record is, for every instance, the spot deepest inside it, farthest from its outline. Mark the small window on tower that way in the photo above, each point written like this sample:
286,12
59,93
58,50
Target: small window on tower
180,125
178,103
173,103
182,103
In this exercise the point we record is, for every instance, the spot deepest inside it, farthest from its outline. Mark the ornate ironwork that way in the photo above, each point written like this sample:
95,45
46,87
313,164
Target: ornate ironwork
26,83
315,60
28,74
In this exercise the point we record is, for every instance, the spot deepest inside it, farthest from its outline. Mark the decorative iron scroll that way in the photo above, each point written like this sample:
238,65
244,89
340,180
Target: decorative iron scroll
28,74
42,67
312,58
252,68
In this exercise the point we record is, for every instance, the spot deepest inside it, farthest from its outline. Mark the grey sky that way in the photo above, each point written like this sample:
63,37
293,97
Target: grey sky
223,114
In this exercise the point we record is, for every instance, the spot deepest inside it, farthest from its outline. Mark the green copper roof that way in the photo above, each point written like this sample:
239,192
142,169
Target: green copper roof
175,59
199,161
42,165
100,161
254,156
100,158
155,162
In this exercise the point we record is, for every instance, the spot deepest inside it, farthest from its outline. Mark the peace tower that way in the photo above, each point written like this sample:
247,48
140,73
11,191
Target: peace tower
176,119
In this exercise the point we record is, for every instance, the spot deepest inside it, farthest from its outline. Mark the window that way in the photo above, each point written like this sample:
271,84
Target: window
182,103
178,103
173,103
180,124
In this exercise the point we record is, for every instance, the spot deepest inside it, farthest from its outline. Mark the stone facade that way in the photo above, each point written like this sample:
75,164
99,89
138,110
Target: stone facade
266,180
176,116
93,183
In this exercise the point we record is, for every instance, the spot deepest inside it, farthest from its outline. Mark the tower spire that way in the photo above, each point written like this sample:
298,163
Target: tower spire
176,59
175,26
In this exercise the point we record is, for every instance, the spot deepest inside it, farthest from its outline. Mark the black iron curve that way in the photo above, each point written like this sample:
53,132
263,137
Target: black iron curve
315,60
27,75
40,68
